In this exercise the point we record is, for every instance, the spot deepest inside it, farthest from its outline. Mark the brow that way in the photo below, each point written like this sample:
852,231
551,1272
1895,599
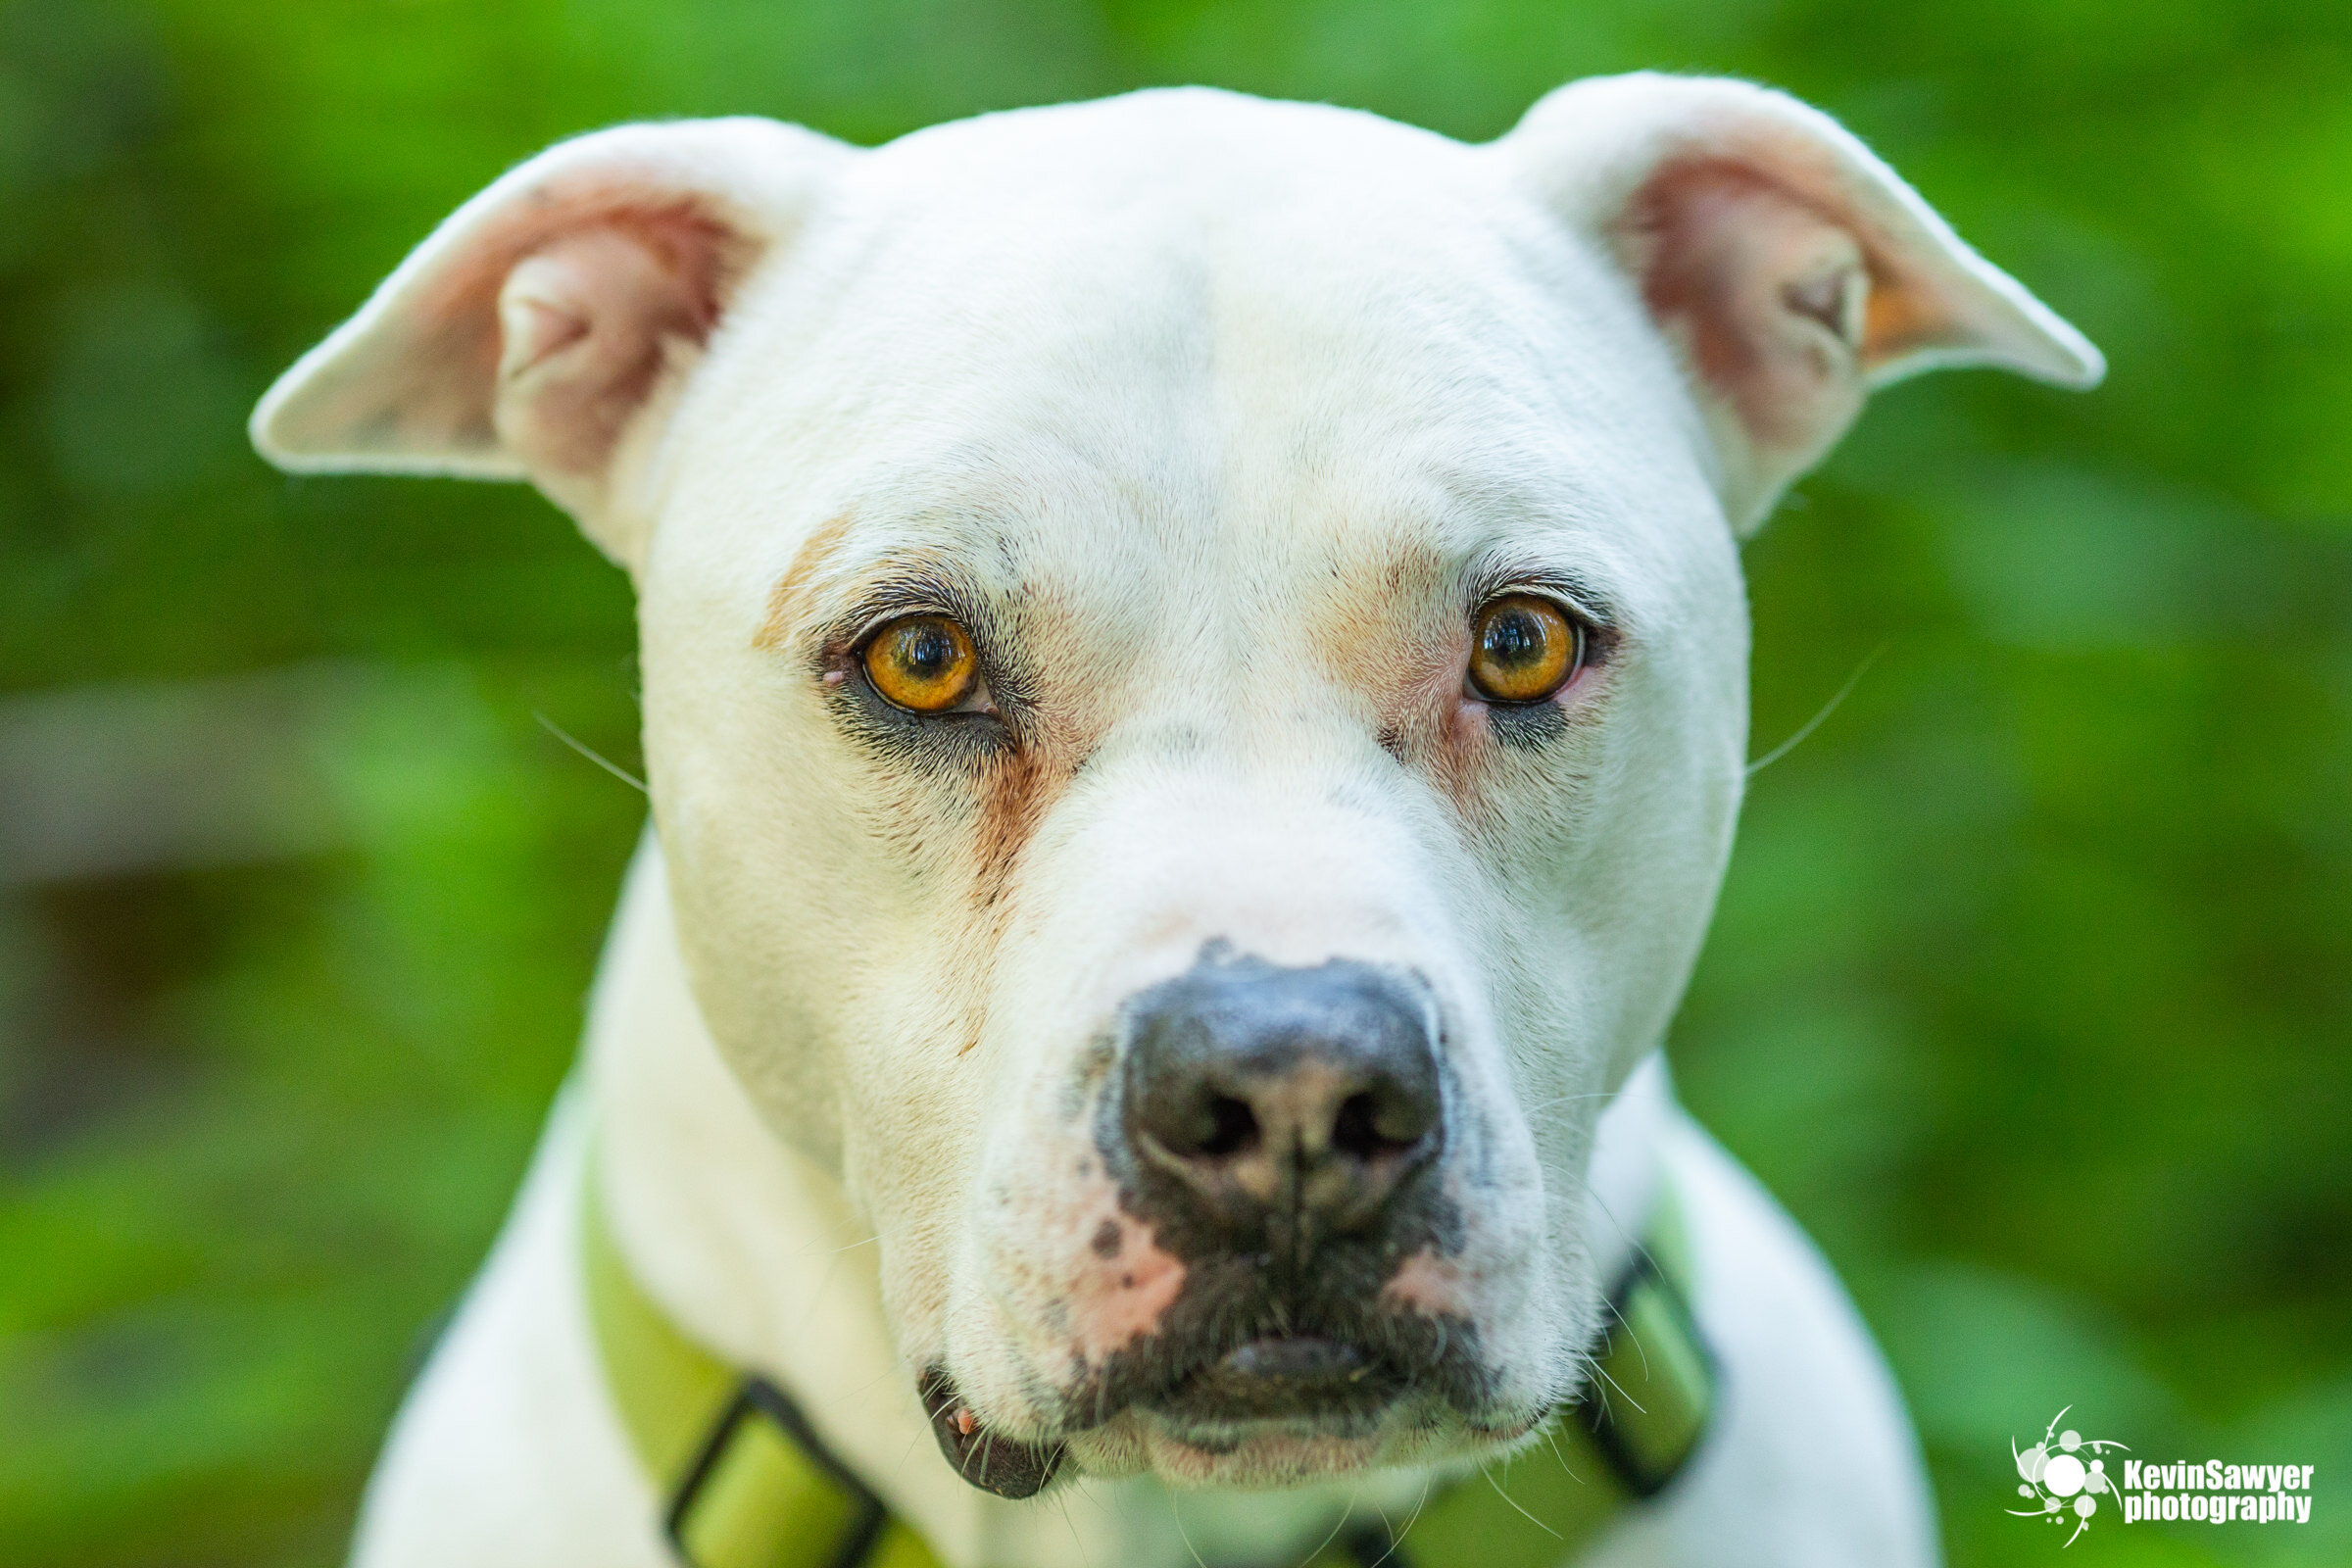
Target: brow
832,590
1486,538
1509,519
844,576
1497,571
789,603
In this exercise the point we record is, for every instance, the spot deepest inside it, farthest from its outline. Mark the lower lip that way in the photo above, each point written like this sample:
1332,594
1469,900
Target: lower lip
1256,1457
1301,1360
1285,1379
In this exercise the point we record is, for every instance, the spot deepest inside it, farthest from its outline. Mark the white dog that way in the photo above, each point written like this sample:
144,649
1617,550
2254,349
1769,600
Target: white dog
1194,702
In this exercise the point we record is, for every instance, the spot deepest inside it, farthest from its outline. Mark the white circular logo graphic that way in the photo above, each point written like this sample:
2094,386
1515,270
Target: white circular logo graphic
2059,1481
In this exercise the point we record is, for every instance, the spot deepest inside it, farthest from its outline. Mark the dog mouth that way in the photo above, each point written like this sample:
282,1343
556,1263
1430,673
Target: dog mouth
1309,1378
1297,1388
1312,1389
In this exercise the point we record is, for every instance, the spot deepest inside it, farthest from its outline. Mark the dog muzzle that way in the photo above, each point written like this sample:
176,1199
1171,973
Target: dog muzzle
747,1483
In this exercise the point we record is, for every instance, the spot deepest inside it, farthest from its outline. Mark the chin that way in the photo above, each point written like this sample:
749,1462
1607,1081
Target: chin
1191,1449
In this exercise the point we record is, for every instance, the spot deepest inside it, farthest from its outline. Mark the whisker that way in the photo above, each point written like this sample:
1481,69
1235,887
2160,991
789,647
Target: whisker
1176,1513
1337,1526
1815,722
614,768
1514,1502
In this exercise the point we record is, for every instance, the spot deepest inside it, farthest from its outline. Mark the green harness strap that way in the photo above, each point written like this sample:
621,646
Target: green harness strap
749,1484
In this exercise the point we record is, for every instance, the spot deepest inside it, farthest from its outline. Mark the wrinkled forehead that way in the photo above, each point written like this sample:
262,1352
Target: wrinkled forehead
1153,373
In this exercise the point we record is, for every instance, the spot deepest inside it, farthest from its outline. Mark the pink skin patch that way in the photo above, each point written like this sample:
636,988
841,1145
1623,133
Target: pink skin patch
1090,1280
1119,1296
1428,1284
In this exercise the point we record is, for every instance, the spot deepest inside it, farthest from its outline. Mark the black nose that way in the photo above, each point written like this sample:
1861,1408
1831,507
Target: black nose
1283,1101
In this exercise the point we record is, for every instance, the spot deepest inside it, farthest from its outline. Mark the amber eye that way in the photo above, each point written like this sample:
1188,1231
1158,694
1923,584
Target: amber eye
1525,649
922,662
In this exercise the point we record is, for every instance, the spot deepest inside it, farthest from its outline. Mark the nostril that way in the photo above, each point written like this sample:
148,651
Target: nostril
1368,1128
1243,1082
1232,1128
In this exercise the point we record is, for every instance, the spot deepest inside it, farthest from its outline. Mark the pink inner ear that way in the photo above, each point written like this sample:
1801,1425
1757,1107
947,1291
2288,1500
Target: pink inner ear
533,321
694,245
452,362
1767,291
587,320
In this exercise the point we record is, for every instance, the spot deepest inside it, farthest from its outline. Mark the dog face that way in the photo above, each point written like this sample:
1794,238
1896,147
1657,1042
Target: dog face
1222,824
1194,681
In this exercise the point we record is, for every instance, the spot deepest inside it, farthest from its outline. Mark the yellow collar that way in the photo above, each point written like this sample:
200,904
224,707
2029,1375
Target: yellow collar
747,1484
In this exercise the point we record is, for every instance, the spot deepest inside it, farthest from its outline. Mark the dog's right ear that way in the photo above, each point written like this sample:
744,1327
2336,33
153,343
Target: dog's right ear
1789,268
542,330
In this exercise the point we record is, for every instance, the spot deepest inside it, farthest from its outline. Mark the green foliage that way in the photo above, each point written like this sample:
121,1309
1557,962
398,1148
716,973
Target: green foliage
2032,982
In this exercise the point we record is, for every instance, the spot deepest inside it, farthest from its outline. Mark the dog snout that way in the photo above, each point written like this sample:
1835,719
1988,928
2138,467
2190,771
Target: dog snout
1295,1102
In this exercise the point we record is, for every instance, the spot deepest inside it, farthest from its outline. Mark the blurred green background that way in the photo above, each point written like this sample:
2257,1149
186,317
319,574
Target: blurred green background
2032,985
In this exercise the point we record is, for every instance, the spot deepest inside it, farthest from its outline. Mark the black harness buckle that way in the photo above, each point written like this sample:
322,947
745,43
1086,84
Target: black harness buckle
757,1403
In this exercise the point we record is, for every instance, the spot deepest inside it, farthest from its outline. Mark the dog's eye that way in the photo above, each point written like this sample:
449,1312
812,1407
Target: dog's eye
924,663
1524,649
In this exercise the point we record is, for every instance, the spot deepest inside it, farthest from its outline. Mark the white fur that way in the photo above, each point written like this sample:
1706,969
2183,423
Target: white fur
506,1455
1214,417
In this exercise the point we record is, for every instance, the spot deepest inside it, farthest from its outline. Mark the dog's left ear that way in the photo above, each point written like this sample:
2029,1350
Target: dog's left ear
542,330
1790,268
